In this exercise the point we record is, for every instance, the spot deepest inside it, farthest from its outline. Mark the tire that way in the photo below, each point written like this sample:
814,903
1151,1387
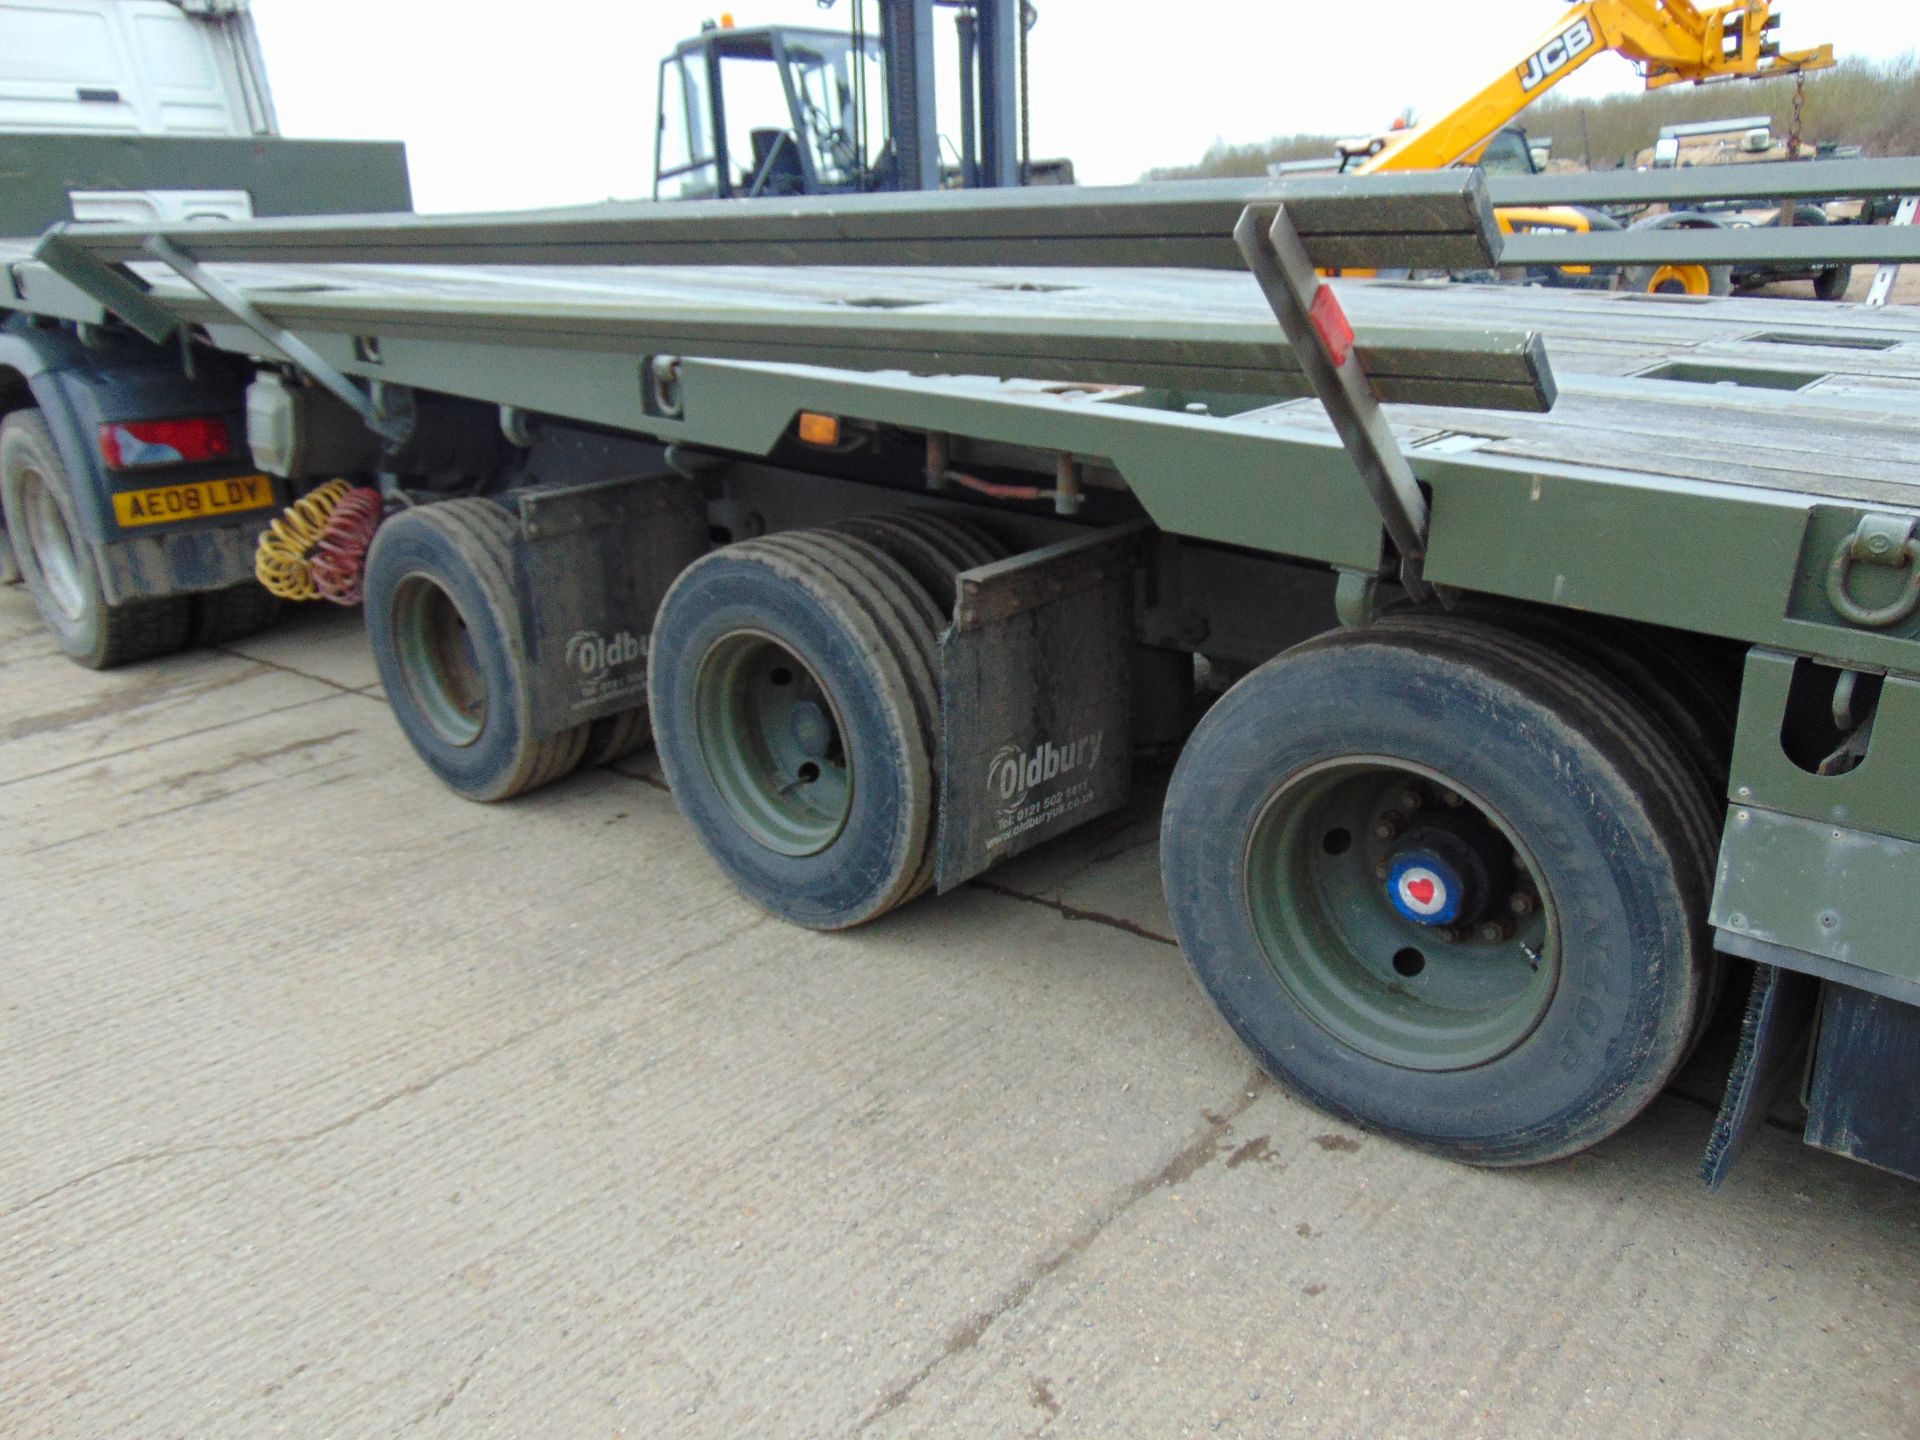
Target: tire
445,634
57,562
9,567
222,616
933,549
1692,696
1832,284
1493,1052
1678,279
783,667
614,737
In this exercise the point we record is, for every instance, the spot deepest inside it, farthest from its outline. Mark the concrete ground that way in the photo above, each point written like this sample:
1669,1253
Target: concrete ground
334,1105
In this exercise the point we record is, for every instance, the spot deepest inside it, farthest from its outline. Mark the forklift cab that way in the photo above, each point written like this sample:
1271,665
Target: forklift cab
769,110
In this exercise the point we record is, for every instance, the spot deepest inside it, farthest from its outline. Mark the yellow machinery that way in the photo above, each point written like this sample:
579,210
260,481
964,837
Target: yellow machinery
1670,40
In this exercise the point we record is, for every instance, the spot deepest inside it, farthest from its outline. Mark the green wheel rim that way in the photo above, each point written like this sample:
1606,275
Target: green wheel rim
773,744
437,660
1418,996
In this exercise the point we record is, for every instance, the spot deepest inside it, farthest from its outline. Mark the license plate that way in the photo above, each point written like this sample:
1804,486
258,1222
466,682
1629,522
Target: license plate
200,500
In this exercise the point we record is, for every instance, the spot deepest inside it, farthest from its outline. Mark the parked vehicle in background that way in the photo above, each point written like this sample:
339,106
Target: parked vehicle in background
146,111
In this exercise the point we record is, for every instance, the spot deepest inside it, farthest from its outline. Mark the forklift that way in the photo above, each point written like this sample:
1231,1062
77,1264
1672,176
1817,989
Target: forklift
760,111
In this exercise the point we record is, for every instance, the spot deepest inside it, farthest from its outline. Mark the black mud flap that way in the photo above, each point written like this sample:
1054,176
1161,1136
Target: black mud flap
1036,692
1864,1102
1773,1045
590,569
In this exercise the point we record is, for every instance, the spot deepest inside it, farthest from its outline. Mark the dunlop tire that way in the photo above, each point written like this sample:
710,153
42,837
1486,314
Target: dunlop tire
1637,844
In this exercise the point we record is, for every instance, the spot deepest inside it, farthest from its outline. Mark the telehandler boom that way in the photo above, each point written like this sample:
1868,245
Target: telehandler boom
1671,40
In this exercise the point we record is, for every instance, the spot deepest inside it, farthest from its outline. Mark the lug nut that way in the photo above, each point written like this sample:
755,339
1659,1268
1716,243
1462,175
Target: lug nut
1451,799
1390,826
1380,871
1411,799
1452,934
1495,930
1521,903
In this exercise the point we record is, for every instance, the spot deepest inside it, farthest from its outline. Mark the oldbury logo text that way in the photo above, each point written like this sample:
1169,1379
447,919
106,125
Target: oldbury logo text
1016,772
598,660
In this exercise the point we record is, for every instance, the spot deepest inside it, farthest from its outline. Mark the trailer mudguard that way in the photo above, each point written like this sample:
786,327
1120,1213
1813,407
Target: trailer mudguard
1863,1097
1036,699
590,565
79,386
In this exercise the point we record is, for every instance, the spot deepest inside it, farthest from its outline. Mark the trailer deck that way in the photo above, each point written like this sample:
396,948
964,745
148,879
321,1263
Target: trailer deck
1727,390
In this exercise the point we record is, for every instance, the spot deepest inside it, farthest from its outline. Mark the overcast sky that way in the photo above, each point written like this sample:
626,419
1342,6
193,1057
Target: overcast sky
505,104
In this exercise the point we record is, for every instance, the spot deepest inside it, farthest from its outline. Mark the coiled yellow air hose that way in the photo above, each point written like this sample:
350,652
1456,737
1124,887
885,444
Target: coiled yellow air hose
281,563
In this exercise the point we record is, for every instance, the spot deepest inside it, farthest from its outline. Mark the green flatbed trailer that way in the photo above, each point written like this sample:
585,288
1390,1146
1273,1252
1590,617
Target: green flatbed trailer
1573,637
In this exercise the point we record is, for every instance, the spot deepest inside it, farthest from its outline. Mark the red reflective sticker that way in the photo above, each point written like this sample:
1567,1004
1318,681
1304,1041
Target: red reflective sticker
1330,324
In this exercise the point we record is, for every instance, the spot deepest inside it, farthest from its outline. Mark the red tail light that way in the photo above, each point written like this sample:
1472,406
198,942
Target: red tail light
134,444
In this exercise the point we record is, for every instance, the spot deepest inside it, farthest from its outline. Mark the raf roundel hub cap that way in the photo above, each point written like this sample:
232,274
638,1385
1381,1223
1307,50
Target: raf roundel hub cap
1425,889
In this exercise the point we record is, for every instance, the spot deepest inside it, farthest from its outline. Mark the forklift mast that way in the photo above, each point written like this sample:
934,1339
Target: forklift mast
798,110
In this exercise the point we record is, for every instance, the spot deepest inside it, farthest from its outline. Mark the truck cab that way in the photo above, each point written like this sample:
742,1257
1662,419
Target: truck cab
770,110
135,67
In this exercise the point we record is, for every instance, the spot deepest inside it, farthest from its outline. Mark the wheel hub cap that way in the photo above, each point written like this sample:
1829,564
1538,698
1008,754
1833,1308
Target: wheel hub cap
1425,889
1401,914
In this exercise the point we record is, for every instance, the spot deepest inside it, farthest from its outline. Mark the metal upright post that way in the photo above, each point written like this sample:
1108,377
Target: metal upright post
1322,340
999,32
1888,272
906,38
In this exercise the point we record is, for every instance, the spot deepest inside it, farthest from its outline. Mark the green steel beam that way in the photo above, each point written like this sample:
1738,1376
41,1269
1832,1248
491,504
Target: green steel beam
1441,220
1701,184
1477,367
1720,245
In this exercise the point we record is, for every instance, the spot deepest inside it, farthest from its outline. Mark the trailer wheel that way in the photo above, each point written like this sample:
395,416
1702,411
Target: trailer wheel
614,737
221,616
1448,884
58,565
931,548
445,635
792,697
1831,284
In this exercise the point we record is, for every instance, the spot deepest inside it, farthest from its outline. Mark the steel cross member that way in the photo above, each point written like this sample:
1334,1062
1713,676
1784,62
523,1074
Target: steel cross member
283,340
1317,330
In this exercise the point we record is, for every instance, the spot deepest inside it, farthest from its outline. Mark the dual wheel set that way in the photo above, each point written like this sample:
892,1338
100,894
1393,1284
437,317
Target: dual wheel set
1447,876
41,508
791,692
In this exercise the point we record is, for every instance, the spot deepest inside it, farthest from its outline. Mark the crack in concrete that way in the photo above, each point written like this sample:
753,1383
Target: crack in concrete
167,740
245,757
147,692
292,670
1074,912
1185,1163
445,1402
374,1107
140,820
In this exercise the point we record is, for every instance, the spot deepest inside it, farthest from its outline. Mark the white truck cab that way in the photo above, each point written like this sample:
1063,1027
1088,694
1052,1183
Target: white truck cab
136,67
